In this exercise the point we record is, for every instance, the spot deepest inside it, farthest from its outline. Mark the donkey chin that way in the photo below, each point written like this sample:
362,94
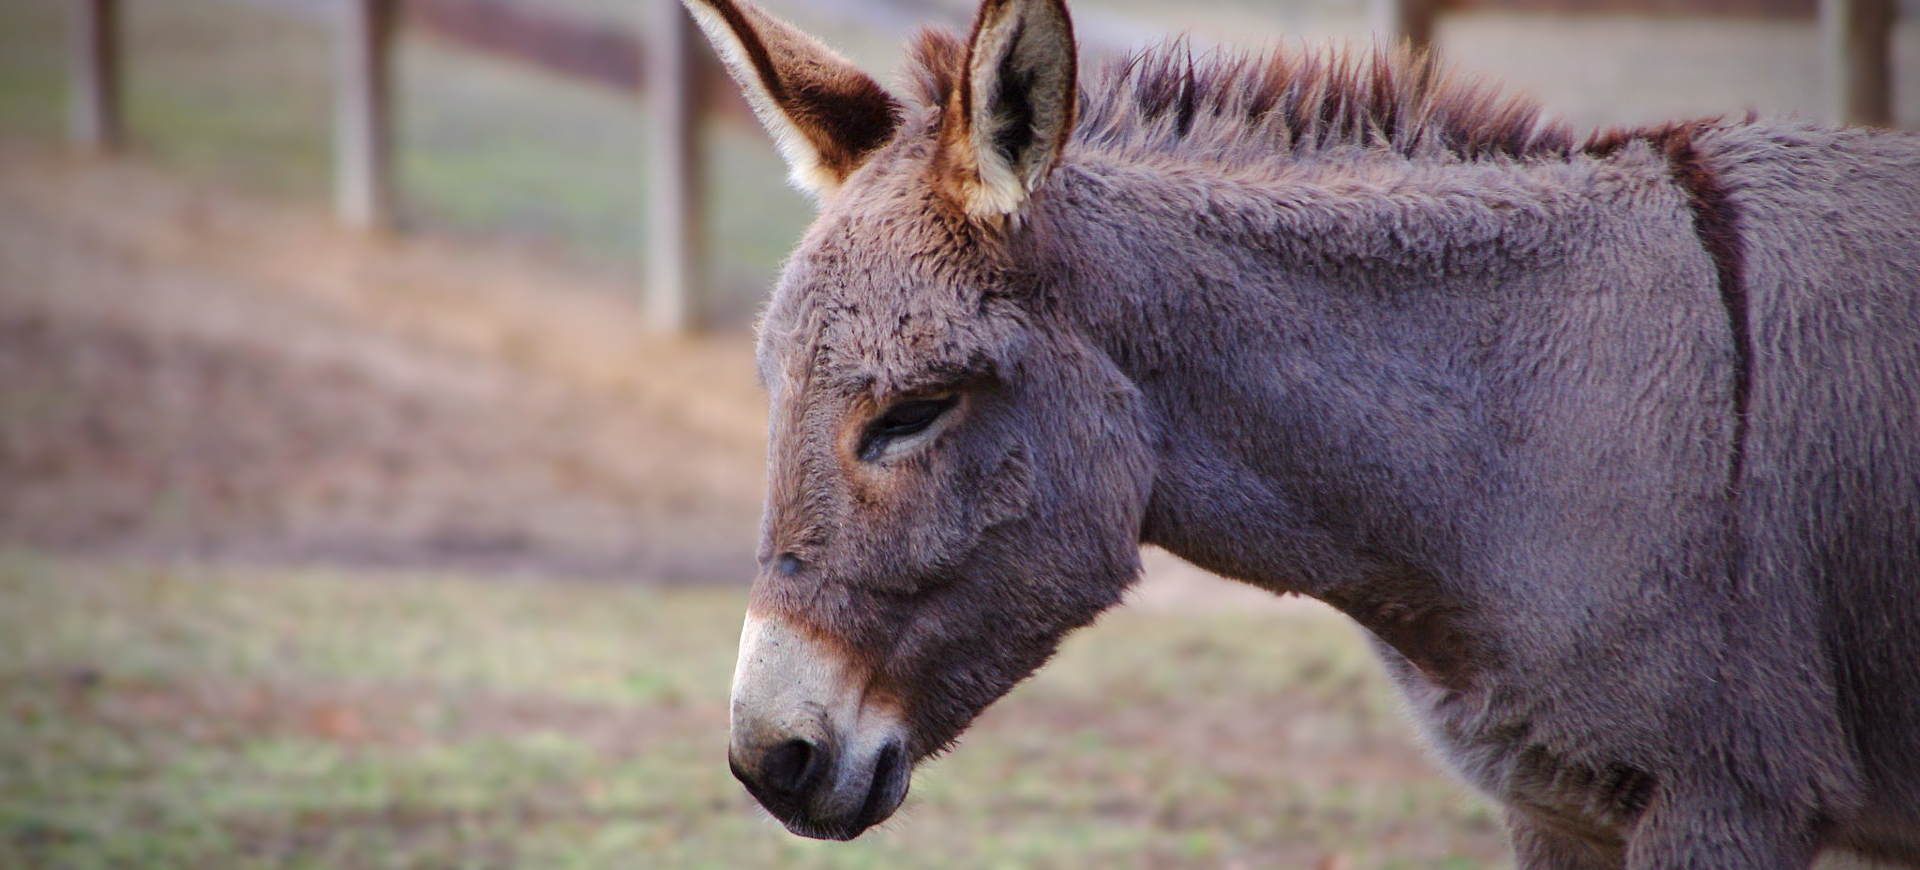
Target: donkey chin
808,740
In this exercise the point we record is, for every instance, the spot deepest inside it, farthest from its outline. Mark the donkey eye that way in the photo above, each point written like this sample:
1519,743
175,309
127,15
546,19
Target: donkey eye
907,418
901,420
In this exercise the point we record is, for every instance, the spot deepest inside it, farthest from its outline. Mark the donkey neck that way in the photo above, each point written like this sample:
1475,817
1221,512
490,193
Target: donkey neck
1333,358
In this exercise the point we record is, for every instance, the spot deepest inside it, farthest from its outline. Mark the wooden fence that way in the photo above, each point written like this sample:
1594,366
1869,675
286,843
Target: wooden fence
675,70
671,66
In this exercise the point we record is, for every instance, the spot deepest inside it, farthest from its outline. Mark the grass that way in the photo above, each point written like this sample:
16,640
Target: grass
181,716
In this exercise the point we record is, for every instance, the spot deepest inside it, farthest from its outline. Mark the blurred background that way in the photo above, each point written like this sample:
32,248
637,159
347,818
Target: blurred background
380,456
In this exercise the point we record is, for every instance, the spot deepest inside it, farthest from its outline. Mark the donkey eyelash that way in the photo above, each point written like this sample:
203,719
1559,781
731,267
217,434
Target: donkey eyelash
902,420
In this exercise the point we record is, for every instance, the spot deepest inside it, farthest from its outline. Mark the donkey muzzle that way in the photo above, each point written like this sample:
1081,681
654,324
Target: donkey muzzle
807,742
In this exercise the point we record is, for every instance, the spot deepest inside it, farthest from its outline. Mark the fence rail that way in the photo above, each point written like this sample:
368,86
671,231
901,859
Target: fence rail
670,66
95,41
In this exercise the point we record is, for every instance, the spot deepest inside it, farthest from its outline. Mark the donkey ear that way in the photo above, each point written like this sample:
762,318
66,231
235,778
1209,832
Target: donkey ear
825,115
1014,109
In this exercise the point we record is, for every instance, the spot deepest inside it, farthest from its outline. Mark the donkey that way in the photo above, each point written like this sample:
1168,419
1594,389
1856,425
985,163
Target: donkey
1610,442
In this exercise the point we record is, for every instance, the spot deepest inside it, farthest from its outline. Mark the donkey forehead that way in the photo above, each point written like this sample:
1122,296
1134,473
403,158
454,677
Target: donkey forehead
872,303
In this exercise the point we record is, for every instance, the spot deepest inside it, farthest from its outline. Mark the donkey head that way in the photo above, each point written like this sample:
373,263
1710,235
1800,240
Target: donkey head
956,478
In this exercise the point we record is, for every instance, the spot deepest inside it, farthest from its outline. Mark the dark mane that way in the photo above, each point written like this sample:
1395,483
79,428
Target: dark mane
1241,107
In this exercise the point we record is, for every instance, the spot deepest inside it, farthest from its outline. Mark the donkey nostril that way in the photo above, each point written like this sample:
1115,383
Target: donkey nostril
790,766
888,786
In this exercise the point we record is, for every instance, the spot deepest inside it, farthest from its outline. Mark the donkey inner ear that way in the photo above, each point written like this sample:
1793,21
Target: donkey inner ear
826,116
1014,109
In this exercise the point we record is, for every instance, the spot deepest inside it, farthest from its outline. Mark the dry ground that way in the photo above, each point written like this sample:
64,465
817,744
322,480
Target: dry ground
191,373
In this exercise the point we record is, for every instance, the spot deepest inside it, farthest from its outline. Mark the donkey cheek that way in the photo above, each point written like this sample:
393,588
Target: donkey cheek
1008,493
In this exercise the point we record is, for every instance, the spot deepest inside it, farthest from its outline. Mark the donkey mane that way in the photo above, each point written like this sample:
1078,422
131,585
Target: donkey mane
1239,107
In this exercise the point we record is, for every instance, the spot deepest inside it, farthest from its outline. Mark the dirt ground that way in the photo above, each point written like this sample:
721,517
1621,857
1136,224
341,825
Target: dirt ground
184,372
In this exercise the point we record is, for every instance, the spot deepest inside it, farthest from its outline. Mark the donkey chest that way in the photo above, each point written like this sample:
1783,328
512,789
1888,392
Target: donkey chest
1585,788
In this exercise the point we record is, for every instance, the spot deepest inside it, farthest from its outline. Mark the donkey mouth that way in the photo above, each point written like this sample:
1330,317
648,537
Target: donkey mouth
885,791
829,813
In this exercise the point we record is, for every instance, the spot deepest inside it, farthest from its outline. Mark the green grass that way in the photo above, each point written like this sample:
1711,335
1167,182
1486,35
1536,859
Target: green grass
32,72
181,716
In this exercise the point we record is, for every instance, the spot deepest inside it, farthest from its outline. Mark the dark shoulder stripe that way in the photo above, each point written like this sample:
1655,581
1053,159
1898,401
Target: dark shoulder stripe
1717,223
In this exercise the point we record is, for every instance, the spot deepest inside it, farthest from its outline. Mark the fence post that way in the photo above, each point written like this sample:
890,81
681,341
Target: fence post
1411,19
674,243
1859,44
94,113
363,113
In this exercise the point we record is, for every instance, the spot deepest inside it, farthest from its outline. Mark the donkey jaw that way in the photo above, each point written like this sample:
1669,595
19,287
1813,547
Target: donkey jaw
806,740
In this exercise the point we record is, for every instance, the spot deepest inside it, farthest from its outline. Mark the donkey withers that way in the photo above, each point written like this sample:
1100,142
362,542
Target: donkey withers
1611,444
